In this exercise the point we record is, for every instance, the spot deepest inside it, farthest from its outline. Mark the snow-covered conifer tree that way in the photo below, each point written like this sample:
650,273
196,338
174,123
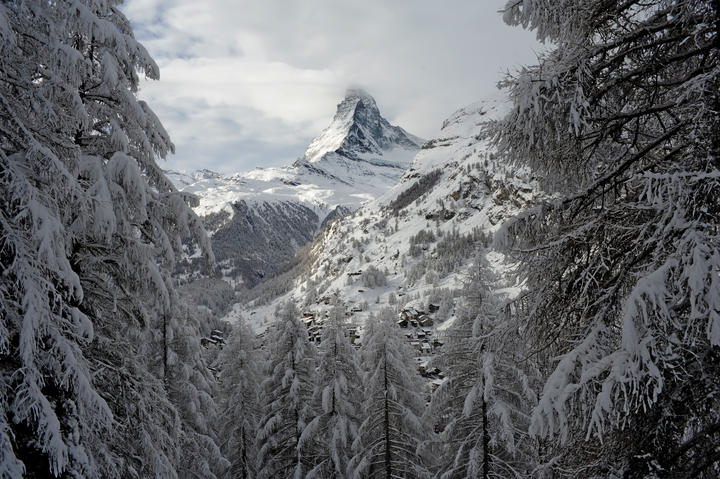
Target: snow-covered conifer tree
336,400
394,402
191,387
620,122
287,393
484,405
241,367
89,227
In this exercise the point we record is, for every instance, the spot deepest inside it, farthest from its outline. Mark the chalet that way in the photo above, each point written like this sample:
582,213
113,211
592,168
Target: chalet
408,314
433,308
216,337
415,345
425,320
420,334
353,335
403,323
425,348
413,316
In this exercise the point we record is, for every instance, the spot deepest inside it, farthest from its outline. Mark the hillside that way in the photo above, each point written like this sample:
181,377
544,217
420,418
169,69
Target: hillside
258,219
412,246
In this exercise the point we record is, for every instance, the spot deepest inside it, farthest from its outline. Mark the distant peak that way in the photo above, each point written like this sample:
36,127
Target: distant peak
359,130
360,94
206,174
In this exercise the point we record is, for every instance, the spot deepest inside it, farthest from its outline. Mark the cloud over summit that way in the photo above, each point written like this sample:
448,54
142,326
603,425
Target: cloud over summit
248,83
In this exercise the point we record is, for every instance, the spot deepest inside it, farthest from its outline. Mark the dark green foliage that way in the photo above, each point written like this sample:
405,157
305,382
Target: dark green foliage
419,188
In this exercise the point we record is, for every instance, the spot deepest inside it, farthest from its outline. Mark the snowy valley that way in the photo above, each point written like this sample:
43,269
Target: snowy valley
417,241
260,218
532,293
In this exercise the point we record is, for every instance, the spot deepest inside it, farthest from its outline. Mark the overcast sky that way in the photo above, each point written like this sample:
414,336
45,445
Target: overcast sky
249,83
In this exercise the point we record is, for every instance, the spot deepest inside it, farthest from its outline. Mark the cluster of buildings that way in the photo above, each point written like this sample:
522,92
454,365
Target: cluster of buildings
417,325
418,330
216,338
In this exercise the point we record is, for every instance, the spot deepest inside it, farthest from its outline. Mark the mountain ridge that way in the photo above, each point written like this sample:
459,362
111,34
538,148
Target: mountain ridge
358,157
419,237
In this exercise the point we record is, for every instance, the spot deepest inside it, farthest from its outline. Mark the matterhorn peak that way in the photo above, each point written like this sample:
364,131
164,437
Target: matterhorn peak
359,95
359,132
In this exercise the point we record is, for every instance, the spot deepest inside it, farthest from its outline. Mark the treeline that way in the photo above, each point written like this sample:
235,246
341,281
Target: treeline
101,372
415,191
292,409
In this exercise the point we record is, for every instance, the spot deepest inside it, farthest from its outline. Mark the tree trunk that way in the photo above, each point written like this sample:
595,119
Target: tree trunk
388,467
166,347
486,442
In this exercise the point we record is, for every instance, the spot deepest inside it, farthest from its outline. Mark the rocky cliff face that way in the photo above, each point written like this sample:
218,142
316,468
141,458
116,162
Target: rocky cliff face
359,132
258,219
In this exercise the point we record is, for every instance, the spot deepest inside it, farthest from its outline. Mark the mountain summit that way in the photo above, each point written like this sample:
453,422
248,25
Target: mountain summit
358,131
259,218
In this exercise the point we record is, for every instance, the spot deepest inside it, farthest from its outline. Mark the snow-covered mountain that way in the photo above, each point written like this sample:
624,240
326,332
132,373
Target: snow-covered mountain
258,219
412,247
359,133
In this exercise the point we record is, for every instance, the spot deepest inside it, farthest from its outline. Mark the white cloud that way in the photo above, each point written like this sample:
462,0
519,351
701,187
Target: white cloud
266,76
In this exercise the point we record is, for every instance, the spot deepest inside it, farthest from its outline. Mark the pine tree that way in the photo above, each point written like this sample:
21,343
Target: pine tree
89,228
392,428
287,391
191,388
336,400
622,266
484,404
241,368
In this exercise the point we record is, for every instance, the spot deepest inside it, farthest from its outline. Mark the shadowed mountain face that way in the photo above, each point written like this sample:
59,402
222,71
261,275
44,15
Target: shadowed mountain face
262,237
258,219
